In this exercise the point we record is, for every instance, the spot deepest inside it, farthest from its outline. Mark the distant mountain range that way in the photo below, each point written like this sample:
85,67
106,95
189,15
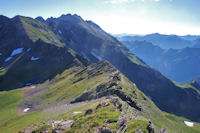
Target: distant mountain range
164,41
59,61
181,65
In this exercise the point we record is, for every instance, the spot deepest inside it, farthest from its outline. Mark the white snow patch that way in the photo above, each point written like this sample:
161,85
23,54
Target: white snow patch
28,84
0,54
34,58
33,87
28,49
75,113
59,31
17,51
26,110
98,57
189,124
7,59
85,55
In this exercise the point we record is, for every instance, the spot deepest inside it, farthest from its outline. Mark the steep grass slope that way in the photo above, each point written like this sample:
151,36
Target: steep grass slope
100,83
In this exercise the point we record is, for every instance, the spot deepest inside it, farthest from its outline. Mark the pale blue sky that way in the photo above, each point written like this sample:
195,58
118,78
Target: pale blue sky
117,16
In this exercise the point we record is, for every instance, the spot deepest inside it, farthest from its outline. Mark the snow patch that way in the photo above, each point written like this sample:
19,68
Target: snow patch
98,57
189,124
59,31
34,58
28,49
8,59
17,51
28,84
33,87
75,113
85,55
26,110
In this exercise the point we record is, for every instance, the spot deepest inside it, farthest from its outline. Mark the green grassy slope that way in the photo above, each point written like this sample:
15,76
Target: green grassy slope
70,84
38,30
48,101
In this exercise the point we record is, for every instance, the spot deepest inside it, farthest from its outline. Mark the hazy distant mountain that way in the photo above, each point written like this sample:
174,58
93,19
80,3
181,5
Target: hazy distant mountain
181,65
163,41
196,43
190,37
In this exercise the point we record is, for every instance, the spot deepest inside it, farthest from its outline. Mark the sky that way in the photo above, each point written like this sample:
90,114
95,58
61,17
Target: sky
179,17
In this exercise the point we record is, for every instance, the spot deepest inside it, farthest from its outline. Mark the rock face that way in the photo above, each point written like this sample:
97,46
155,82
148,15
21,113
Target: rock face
88,112
65,124
150,128
104,129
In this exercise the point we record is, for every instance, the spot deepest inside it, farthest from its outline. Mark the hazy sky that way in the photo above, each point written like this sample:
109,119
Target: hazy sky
117,16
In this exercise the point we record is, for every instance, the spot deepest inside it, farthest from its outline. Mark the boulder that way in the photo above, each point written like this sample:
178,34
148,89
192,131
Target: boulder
88,112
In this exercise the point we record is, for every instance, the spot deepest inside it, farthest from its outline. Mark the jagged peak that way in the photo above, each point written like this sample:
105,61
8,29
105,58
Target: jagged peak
40,18
195,84
70,17
17,17
2,17
93,24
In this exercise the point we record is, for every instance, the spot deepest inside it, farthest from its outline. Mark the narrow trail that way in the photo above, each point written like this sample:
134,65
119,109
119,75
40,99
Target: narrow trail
60,108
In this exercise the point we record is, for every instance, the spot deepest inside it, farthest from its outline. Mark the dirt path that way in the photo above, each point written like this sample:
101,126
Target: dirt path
62,108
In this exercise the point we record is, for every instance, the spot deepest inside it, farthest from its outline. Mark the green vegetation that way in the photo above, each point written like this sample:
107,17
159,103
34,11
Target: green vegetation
74,82
185,86
12,120
41,128
159,119
8,103
66,86
135,125
96,120
37,30
133,58
2,71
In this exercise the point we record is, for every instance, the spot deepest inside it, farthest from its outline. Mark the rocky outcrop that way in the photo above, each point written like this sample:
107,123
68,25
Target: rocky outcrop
150,128
88,112
109,92
104,129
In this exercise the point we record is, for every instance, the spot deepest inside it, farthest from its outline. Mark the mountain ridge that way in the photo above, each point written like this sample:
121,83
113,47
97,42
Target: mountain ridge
95,45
